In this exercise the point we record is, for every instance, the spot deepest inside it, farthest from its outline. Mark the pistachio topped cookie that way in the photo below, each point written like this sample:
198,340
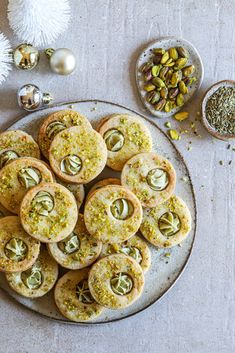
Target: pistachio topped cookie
150,177
103,182
49,212
76,189
112,214
18,250
125,136
78,250
15,144
38,279
17,177
57,122
73,297
116,281
78,155
168,224
134,247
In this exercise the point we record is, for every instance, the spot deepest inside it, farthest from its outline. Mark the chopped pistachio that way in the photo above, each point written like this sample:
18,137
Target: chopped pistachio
174,135
168,124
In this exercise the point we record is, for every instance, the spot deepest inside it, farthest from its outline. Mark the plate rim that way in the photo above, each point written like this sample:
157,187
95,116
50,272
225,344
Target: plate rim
147,47
194,202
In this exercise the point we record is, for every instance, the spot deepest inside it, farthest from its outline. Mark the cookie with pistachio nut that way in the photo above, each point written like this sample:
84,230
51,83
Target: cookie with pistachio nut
103,182
18,250
38,279
116,281
57,122
167,224
150,177
18,177
112,214
15,144
49,212
125,136
78,155
73,297
135,247
78,250
77,190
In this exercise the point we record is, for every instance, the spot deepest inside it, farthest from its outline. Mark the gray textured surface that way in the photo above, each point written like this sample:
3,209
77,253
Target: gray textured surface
198,314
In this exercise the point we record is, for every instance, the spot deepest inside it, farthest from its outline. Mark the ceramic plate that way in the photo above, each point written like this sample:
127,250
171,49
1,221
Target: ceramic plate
166,43
164,270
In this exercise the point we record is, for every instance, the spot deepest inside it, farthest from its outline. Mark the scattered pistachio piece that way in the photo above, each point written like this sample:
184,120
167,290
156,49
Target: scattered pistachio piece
168,124
181,116
174,135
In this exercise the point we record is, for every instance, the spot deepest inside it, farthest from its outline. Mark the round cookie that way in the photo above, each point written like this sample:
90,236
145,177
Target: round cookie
15,144
134,247
57,122
150,177
78,250
38,279
116,281
78,155
18,250
73,297
112,214
18,177
125,136
103,182
77,190
168,224
49,212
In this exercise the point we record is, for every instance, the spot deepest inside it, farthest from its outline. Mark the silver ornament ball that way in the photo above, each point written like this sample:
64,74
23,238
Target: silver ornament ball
62,61
30,97
26,57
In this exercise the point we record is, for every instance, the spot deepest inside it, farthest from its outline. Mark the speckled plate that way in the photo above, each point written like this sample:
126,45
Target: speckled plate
166,43
164,270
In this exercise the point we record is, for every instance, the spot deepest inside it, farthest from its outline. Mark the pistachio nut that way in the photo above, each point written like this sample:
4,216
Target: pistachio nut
180,63
16,249
181,116
71,164
146,66
180,100
157,59
6,157
182,52
121,284
32,278
149,87
175,78
167,124
168,77
114,140
133,252
183,88
169,106
155,70
54,128
174,135
173,93
153,97
188,70
173,53
160,105
148,76
83,292
170,62
29,177
169,224
164,92
158,82
122,209
163,72
69,245
159,51
165,57
157,179
43,203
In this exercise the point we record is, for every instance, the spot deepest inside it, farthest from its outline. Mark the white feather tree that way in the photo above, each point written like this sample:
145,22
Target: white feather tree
38,22
5,57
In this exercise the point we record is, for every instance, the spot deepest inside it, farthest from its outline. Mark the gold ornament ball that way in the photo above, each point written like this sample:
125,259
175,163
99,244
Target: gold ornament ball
26,57
62,61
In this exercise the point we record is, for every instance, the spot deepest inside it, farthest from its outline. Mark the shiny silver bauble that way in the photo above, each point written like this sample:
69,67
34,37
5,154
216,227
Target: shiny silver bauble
26,57
30,97
62,61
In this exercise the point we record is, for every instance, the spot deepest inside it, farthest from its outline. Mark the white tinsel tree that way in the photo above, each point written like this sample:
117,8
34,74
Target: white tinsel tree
5,57
38,22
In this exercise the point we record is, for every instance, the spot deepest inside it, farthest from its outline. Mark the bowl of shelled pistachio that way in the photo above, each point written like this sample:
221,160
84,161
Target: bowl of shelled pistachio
168,73
218,110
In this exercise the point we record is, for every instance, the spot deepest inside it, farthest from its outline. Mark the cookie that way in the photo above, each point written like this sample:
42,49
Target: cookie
38,279
116,281
77,190
78,155
168,224
18,250
103,182
49,212
57,122
15,144
125,136
112,214
134,247
78,250
73,297
150,177
16,179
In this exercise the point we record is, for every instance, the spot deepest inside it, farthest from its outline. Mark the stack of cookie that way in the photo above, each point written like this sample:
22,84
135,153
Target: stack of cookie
103,250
